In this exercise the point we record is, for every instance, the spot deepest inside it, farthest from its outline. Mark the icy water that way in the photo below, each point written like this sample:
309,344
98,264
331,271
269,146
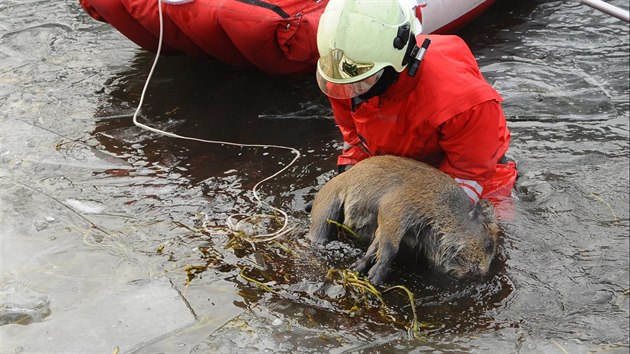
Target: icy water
114,238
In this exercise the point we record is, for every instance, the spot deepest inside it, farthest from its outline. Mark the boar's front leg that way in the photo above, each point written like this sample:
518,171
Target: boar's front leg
365,262
388,235
378,258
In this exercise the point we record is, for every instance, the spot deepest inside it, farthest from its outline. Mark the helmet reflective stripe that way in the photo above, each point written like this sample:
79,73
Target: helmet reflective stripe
356,38
471,187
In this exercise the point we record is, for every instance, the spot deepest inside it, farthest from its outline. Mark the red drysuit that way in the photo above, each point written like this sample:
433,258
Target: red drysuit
447,116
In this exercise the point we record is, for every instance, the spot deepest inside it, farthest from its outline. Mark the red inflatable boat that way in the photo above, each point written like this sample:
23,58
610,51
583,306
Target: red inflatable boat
276,36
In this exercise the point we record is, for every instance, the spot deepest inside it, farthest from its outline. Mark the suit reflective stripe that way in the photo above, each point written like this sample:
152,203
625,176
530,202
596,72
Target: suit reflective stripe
471,187
471,193
362,145
471,183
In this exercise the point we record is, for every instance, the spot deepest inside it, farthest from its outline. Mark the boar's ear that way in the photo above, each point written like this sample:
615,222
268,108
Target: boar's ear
483,211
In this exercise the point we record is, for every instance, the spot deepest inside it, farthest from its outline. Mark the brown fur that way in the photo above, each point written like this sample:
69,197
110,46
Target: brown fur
391,200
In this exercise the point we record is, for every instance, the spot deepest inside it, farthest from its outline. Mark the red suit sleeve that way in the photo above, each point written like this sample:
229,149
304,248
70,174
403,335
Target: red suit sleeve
353,150
473,141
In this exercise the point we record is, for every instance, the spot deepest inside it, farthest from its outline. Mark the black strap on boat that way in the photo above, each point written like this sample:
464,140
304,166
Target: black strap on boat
275,8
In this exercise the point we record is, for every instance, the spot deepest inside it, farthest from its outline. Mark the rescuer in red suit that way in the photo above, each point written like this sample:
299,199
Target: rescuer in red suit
394,91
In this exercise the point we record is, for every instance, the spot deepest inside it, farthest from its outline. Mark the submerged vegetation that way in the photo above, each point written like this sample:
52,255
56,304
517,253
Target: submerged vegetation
274,272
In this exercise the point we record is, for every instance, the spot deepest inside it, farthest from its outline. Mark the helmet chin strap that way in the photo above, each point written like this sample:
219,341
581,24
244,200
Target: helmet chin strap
388,77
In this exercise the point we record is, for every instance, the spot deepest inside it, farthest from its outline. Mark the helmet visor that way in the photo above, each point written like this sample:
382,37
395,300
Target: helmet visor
337,66
347,90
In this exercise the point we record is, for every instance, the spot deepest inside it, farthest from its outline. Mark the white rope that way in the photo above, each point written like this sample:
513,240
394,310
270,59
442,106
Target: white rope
256,238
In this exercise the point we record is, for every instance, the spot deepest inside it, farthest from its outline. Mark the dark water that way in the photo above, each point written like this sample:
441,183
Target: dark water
116,237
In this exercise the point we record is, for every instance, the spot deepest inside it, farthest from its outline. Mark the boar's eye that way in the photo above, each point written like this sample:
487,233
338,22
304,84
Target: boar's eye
488,246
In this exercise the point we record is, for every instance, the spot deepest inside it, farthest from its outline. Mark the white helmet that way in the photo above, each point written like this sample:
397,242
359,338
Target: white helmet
357,39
